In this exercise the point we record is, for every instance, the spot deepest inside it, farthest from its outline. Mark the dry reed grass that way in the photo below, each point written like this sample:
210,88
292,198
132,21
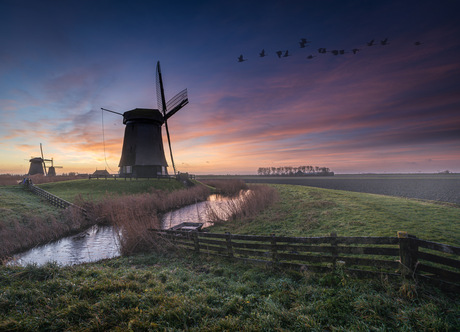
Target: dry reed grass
134,215
231,187
244,206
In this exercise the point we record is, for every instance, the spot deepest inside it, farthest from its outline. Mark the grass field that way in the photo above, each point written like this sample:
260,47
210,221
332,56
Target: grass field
437,187
188,293
179,291
307,211
16,205
92,190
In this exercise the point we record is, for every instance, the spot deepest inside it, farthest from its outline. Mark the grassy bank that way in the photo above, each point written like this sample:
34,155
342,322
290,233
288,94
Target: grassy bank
168,292
17,205
308,211
93,190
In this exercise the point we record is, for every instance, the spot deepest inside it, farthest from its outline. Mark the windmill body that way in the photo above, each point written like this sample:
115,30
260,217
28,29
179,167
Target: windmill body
36,166
143,153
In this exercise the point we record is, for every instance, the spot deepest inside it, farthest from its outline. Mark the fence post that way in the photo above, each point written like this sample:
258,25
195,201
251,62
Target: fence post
274,249
228,238
334,251
408,252
196,241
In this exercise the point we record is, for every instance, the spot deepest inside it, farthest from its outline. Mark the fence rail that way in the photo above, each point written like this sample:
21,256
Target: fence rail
362,256
54,200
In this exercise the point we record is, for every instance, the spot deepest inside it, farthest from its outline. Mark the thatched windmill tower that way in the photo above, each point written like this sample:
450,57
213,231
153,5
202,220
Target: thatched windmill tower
143,153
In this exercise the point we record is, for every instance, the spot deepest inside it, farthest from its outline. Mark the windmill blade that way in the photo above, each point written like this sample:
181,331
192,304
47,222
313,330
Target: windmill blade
162,107
43,159
176,103
160,91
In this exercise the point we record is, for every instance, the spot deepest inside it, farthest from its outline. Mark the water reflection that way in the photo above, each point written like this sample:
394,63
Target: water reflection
196,213
96,243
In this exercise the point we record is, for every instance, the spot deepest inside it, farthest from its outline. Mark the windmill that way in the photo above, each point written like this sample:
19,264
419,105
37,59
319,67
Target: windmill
52,168
38,165
143,153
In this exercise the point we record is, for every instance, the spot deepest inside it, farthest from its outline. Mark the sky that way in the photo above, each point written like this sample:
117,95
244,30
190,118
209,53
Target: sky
392,108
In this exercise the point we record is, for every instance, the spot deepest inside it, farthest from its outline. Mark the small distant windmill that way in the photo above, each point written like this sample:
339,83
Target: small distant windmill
143,153
52,168
38,165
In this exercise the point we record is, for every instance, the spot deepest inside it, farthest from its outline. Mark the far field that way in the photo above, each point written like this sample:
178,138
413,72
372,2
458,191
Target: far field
436,187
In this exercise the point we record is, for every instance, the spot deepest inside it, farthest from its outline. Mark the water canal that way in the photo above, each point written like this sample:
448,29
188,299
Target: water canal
102,242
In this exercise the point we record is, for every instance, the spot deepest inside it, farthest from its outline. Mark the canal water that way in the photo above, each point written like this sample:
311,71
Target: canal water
102,242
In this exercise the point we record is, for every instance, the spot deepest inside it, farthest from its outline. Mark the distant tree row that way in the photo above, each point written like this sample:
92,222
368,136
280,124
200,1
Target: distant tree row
294,171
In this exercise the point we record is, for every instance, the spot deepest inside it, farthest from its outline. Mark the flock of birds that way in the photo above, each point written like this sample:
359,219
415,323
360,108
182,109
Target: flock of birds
304,42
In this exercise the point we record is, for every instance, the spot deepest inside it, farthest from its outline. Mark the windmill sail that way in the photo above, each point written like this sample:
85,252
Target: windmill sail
176,103
43,158
162,107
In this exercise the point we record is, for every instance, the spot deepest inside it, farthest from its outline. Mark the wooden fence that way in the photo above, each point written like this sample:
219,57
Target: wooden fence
54,200
361,256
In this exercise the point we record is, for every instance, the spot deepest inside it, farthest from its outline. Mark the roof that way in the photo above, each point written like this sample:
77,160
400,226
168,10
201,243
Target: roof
101,172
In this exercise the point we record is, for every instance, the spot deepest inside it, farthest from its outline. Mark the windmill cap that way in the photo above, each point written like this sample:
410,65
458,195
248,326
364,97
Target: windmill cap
143,114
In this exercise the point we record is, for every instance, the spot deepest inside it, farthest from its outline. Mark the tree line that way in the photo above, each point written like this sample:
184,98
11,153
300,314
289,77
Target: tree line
294,171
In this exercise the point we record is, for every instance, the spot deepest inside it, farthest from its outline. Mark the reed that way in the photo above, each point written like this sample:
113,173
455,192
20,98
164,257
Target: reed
230,187
245,206
134,215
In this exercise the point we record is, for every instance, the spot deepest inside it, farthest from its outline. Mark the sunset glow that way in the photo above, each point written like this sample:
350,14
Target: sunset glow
387,108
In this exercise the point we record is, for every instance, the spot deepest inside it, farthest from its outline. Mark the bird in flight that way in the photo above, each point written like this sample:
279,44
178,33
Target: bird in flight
303,42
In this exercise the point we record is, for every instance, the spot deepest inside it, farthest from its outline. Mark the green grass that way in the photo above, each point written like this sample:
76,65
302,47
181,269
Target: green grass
307,211
97,189
173,293
16,205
